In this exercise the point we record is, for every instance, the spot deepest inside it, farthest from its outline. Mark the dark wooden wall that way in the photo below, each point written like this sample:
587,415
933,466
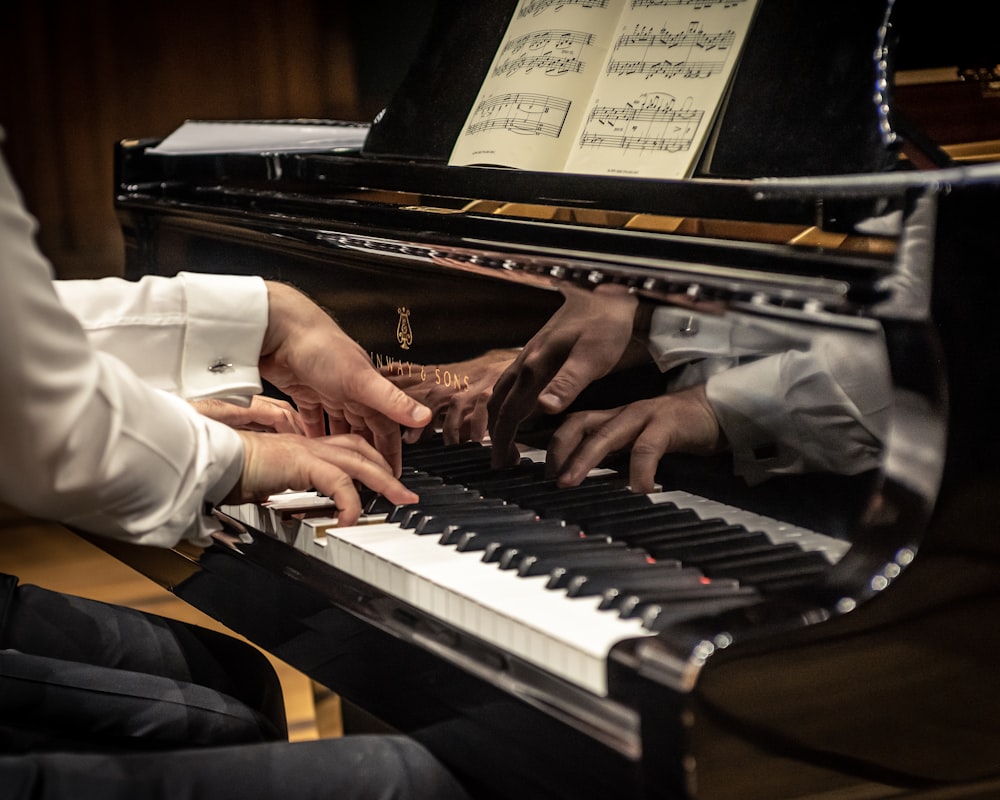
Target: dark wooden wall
78,76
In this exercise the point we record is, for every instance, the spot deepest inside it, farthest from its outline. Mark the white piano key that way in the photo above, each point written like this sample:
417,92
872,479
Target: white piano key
567,636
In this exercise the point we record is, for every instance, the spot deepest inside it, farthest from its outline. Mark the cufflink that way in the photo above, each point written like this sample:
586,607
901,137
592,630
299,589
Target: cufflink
219,366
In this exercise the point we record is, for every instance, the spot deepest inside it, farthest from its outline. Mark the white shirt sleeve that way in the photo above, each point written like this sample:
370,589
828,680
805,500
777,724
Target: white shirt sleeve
827,408
789,398
85,441
196,336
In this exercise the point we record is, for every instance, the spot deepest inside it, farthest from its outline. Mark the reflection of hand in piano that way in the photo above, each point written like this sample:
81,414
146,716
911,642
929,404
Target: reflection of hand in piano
583,341
677,422
456,393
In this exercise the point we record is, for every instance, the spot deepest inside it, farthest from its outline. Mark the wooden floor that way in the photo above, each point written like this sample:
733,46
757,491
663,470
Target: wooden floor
51,556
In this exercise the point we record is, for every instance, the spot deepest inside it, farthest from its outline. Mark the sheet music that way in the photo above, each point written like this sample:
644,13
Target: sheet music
606,87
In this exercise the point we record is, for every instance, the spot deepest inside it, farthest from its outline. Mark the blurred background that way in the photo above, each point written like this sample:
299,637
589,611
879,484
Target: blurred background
78,76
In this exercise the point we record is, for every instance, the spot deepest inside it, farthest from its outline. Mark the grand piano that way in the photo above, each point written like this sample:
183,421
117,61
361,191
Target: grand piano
824,623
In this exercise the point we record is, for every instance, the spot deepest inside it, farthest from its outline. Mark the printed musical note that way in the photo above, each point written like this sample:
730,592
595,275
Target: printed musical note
693,41
533,8
696,5
606,87
651,122
554,52
520,112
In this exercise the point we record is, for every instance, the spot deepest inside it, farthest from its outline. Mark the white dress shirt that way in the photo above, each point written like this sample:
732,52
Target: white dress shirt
790,398
96,431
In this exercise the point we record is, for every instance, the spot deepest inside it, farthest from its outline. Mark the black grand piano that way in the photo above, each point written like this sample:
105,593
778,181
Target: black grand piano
829,624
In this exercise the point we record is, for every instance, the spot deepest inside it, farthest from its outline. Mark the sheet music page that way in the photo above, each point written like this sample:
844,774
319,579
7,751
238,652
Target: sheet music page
606,87
660,89
531,104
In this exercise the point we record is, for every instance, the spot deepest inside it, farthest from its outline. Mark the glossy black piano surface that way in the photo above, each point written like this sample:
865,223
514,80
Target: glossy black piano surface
866,668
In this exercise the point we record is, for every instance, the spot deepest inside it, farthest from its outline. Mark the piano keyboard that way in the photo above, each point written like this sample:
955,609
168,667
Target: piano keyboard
555,577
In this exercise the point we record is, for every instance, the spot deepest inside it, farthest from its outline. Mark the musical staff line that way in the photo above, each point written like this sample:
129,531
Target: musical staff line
535,7
696,5
521,112
695,41
649,123
555,52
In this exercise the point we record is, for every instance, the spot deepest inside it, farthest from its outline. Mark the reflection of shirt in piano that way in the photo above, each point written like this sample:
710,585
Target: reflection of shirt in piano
88,443
789,400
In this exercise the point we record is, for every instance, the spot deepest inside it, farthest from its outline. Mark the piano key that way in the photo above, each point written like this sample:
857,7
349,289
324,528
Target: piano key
512,556
568,637
435,521
401,512
781,562
676,530
560,575
490,541
698,550
592,582
546,487
658,616
558,564
649,606
551,496
455,533
579,509
613,597
615,521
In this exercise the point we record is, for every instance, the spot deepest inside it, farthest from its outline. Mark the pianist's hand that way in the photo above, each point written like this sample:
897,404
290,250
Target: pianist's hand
583,341
678,422
263,414
274,462
457,393
330,378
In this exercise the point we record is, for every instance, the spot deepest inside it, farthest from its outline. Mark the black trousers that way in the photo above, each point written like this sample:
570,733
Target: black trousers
97,700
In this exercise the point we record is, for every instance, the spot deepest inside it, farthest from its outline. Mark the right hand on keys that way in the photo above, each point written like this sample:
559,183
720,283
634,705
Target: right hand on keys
274,462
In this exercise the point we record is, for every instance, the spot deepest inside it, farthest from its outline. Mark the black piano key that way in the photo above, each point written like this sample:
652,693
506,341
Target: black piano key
437,521
659,616
614,521
410,518
647,605
591,583
768,565
527,473
479,541
563,569
479,474
667,530
534,563
580,509
550,494
502,531
427,455
549,487
436,501
717,546
635,591
508,556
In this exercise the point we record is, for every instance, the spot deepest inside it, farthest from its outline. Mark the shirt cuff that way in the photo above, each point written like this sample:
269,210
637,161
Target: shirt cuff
226,322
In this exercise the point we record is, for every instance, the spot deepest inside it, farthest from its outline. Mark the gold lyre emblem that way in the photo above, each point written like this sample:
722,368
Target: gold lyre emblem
404,333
